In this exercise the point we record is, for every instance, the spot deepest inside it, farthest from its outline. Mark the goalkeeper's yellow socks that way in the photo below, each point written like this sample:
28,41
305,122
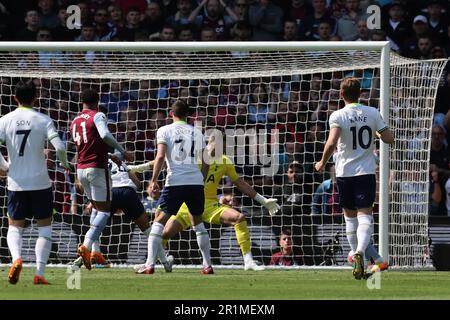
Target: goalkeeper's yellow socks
243,237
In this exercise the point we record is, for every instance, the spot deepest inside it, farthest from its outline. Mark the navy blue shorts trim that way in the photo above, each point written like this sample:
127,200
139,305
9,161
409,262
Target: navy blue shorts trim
126,199
36,204
172,198
357,192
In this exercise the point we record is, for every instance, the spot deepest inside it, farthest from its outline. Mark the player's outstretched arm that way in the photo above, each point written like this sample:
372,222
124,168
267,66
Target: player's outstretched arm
141,167
330,146
270,204
102,128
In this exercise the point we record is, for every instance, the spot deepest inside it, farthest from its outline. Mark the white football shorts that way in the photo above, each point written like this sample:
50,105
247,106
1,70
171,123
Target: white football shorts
96,183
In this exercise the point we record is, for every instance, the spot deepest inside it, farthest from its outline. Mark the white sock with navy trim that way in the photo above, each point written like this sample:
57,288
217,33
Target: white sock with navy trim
161,254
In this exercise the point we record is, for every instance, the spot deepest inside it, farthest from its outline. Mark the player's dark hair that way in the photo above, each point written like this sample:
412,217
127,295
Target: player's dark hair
90,97
180,109
286,232
25,92
103,108
350,89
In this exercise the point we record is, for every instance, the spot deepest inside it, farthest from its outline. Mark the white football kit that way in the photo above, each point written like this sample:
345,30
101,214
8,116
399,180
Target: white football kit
355,150
119,176
183,143
25,131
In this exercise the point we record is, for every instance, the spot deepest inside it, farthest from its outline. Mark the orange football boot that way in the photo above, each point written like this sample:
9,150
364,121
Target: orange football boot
85,254
14,271
379,266
98,258
39,280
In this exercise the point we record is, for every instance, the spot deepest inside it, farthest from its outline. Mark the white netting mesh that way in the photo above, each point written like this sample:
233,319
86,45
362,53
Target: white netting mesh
293,92
413,93
181,65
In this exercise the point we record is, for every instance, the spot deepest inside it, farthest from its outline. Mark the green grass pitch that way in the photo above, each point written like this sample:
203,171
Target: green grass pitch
122,283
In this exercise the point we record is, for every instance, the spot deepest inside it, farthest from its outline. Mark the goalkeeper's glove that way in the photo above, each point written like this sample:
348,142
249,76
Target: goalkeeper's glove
270,204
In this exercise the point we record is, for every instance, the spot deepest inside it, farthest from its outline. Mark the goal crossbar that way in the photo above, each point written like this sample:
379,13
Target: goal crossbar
193,46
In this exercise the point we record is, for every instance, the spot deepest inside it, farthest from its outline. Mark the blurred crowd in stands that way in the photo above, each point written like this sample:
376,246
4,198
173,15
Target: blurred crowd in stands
417,29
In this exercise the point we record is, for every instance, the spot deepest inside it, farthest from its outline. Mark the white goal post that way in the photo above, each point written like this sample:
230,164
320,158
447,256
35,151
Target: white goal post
395,82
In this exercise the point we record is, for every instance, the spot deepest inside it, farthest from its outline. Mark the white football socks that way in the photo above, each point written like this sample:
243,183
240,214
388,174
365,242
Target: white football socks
351,226
203,243
42,249
14,239
248,257
154,243
161,254
364,232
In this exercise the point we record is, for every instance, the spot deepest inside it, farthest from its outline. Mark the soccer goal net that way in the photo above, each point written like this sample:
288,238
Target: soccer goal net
272,101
